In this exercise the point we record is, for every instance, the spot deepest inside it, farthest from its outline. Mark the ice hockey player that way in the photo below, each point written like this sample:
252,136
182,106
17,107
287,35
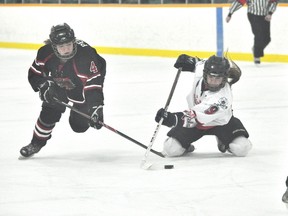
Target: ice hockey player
285,195
210,109
69,70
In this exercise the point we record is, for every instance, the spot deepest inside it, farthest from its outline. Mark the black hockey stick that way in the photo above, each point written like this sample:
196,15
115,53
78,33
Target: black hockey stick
144,164
108,127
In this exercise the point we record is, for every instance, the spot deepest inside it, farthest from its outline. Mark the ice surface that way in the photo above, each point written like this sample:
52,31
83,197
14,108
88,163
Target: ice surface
98,172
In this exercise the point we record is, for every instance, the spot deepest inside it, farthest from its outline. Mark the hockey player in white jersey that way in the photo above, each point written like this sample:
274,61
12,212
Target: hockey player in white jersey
209,109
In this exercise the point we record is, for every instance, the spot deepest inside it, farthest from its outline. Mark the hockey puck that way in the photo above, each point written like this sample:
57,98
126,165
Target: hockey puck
168,166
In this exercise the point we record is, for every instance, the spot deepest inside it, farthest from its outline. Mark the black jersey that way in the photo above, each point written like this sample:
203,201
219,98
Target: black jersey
81,78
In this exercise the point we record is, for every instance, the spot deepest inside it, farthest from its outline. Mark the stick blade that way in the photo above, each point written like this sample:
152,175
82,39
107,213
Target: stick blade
145,165
155,166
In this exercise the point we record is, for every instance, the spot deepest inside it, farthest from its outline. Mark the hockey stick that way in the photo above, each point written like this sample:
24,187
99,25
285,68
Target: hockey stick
144,164
108,127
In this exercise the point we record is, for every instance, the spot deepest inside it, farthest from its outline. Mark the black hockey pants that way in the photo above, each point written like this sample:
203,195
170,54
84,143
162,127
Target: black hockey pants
51,114
225,133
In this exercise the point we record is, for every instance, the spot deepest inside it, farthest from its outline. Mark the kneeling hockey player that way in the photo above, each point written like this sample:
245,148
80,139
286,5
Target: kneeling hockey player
69,70
210,109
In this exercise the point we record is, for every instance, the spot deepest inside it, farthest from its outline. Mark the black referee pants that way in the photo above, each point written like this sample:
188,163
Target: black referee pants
261,30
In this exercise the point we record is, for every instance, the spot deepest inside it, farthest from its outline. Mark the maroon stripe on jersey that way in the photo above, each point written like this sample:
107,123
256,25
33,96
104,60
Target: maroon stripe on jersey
201,127
48,57
82,77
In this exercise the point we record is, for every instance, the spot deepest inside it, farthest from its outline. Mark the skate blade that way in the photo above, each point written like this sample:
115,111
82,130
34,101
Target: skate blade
21,157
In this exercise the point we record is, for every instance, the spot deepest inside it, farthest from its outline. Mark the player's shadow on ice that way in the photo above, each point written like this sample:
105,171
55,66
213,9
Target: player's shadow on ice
98,156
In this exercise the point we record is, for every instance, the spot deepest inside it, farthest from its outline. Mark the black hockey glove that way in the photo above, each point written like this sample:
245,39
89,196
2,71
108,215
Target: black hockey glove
96,116
234,73
187,63
47,91
169,119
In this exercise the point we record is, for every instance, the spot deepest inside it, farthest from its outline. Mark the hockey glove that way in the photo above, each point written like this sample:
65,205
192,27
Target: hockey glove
234,73
47,91
189,119
96,116
187,63
169,119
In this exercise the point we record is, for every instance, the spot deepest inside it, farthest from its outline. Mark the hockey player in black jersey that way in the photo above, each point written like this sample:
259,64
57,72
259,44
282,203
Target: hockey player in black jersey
69,70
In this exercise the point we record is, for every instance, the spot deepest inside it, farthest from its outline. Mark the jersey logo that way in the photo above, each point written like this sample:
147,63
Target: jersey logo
93,67
223,103
65,83
212,109
215,107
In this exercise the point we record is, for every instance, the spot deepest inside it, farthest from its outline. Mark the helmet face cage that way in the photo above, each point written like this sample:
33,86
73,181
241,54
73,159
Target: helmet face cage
61,34
218,67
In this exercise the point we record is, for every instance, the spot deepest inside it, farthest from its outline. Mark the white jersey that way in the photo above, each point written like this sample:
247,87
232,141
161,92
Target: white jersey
211,108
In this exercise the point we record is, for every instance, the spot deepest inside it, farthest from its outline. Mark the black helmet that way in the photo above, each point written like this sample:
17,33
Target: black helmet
216,66
61,34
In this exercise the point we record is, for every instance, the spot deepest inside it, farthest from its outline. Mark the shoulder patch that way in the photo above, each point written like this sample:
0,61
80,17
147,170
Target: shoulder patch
223,102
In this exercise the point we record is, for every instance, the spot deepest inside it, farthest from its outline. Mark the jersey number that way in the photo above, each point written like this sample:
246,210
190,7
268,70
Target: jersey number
93,67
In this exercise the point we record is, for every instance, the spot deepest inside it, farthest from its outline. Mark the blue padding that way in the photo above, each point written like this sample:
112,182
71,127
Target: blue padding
219,26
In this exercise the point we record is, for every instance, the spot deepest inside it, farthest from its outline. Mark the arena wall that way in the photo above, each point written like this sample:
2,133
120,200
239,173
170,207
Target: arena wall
150,30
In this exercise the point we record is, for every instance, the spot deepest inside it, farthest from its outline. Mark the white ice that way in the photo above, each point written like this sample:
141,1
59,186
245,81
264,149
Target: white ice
98,172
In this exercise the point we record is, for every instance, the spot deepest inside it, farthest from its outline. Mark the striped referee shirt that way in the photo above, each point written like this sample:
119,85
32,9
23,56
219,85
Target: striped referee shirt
256,7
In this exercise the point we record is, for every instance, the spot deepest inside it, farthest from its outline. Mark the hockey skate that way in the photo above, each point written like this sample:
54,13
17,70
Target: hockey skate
30,150
221,147
190,149
257,60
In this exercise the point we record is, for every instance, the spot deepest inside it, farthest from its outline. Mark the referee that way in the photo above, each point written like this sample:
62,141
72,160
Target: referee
259,15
